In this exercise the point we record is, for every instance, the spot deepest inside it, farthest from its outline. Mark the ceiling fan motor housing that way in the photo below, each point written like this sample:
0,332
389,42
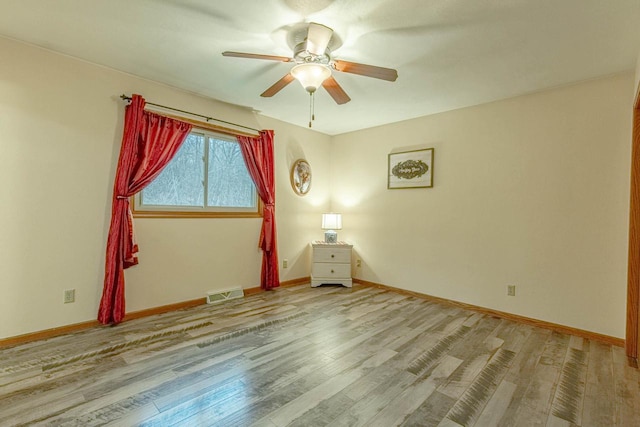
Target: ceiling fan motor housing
302,56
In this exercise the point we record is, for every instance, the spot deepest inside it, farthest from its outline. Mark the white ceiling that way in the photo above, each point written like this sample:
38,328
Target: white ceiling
448,53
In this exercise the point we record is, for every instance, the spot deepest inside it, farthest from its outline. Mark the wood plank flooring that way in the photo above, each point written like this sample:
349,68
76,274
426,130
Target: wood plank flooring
327,356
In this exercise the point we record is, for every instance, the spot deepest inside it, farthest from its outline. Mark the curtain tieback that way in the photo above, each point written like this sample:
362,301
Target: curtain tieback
121,197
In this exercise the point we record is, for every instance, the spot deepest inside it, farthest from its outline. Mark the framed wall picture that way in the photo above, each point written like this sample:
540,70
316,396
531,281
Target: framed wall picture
411,169
301,177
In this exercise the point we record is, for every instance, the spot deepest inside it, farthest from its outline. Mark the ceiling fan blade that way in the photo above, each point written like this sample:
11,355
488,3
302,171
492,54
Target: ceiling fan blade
257,56
318,38
335,90
278,86
388,74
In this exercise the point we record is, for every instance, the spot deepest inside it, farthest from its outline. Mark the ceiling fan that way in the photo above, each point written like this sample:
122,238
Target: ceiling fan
314,65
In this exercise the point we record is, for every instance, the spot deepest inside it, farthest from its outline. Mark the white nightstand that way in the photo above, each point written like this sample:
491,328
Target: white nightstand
331,264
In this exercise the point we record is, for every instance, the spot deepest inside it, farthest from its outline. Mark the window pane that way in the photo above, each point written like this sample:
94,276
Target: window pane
229,182
180,183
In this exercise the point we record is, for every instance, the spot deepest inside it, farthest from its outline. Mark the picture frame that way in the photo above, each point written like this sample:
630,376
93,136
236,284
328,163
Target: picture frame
410,169
301,177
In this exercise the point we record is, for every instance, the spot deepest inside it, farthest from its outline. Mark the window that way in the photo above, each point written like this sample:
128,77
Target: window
206,178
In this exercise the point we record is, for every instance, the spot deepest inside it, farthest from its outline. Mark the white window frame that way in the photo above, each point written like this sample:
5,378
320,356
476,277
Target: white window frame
140,210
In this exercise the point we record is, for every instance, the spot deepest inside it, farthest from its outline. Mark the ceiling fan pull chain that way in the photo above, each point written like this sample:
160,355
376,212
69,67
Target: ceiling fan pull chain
310,108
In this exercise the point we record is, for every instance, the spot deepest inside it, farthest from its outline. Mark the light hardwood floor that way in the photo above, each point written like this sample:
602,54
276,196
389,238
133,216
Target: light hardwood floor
313,357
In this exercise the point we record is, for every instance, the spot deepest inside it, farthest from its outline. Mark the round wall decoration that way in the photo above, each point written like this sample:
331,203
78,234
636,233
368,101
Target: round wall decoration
301,177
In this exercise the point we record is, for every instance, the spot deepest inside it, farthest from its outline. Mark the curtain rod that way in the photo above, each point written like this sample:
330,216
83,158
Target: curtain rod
207,118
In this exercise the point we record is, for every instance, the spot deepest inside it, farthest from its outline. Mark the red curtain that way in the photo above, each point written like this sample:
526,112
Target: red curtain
149,142
258,156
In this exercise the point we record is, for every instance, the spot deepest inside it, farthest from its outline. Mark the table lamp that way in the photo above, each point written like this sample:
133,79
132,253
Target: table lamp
331,222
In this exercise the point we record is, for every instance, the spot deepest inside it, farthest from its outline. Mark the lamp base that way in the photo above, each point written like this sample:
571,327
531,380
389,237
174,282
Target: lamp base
330,237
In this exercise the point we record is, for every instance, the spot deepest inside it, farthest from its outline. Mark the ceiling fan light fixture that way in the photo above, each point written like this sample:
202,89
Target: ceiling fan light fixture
311,75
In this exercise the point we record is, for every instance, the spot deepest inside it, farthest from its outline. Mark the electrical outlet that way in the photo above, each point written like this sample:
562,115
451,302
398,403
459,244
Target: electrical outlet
511,290
69,295
358,263
285,263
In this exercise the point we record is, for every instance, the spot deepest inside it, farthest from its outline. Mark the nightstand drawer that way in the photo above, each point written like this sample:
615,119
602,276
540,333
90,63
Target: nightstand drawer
332,255
331,270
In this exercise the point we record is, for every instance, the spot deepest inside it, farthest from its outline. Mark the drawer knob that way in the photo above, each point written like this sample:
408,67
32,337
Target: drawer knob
333,256
332,271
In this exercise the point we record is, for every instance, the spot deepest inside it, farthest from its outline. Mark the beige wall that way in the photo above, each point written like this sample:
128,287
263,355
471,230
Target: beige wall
637,81
637,71
60,133
531,191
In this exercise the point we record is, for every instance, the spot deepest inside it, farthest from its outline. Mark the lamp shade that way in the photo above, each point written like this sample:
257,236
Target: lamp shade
311,75
332,221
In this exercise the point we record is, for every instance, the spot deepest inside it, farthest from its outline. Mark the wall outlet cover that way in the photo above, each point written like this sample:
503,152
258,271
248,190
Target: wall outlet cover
69,295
